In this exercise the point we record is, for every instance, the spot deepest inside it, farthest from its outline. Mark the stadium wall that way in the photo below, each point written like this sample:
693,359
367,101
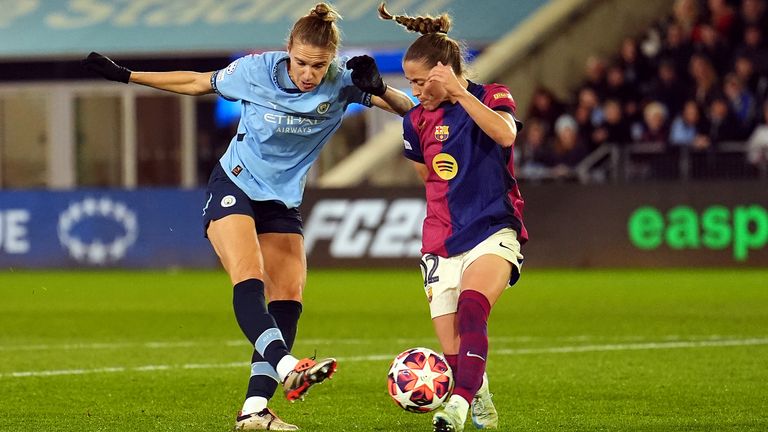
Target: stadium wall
709,224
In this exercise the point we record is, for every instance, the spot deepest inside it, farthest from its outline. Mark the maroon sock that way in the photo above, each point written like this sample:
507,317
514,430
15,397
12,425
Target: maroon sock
453,362
472,315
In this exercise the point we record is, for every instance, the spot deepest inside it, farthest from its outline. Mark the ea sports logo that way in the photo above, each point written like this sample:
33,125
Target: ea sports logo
445,166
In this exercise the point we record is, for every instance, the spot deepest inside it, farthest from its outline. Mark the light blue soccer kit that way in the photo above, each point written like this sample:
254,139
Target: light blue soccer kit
282,129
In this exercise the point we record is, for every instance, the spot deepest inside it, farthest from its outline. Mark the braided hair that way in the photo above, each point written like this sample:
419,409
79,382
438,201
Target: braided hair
433,45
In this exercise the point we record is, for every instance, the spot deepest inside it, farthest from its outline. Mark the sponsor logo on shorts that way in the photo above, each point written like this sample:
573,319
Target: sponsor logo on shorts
228,201
237,170
445,166
505,247
429,294
408,145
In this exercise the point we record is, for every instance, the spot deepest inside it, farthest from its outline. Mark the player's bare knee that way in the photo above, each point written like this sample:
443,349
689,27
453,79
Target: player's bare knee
287,291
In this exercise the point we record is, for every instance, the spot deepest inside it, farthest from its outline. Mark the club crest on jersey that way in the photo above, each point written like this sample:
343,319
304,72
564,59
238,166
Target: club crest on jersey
445,166
323,108
441,132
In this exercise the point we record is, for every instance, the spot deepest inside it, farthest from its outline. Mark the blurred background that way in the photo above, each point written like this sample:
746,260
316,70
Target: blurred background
645,141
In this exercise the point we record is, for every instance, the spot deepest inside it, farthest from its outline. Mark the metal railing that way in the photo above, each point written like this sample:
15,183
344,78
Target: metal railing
648,161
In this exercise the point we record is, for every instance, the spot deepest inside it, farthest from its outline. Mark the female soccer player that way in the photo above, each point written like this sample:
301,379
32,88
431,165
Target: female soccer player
292,102
460,139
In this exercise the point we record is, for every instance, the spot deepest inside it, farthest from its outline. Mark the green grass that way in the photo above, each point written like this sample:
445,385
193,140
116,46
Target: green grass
570,350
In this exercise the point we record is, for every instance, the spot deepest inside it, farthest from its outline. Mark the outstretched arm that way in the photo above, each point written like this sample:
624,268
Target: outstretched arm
182,82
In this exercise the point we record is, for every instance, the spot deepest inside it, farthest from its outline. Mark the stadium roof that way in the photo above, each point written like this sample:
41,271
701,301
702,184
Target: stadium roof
37,28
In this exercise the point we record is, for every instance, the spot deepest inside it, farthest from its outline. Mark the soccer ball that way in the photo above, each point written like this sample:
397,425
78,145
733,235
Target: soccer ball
419,380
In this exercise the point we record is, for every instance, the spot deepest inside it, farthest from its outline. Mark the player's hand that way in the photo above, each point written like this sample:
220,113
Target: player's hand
105,67
365,75
443,75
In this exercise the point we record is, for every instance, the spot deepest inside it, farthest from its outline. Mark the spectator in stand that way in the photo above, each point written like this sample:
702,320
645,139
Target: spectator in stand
751,13
714,47
719,125
567,149
535,151
722,17
685,13
757,145
655,128
614,129
705,85
677,47
686,126
588,113
667,87
619,89
545,107
633,63
742,104
753,46
582,114
757,84
595,75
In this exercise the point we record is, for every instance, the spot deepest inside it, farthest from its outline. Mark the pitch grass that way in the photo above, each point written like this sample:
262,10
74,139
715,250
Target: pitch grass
570,350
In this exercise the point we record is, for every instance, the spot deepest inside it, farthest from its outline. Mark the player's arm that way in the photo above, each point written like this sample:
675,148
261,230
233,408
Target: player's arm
366,77
394,101
498,125
182,82
421,170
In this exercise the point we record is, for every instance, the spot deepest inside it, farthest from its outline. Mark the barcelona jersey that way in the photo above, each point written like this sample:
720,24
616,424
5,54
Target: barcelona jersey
471,189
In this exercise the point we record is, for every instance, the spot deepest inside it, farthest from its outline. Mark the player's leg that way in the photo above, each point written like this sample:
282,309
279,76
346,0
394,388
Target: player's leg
285,261
481,285
441,283
448,336
235,241
285,266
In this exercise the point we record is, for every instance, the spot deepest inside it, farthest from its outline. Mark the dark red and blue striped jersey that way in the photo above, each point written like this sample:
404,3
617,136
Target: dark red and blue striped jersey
471,189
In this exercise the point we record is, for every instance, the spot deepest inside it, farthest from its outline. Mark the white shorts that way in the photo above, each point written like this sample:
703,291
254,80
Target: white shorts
442,276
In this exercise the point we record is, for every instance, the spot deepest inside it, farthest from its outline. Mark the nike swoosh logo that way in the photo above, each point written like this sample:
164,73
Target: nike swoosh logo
469,354
505,247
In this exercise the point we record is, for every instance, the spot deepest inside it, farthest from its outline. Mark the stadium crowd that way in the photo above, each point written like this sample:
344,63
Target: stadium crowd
693,84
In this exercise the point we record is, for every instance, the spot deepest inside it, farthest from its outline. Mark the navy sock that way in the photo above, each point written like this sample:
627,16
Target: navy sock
286,314
256,323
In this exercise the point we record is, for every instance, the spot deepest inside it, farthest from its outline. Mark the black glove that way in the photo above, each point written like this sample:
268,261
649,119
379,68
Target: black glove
365,75
105,67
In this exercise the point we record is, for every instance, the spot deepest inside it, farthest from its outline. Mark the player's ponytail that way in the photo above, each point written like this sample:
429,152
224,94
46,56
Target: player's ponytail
421,24
433,45
317,28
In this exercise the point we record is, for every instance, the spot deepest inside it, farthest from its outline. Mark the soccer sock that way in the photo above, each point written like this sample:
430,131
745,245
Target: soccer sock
453,362
256,323
264,379
473,311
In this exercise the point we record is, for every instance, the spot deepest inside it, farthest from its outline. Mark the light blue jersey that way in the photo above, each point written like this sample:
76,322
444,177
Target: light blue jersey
281,130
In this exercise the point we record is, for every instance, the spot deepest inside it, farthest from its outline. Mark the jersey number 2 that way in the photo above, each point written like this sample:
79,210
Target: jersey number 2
428,268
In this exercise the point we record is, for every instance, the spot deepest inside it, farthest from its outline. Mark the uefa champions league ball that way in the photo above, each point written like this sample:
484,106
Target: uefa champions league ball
419,380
